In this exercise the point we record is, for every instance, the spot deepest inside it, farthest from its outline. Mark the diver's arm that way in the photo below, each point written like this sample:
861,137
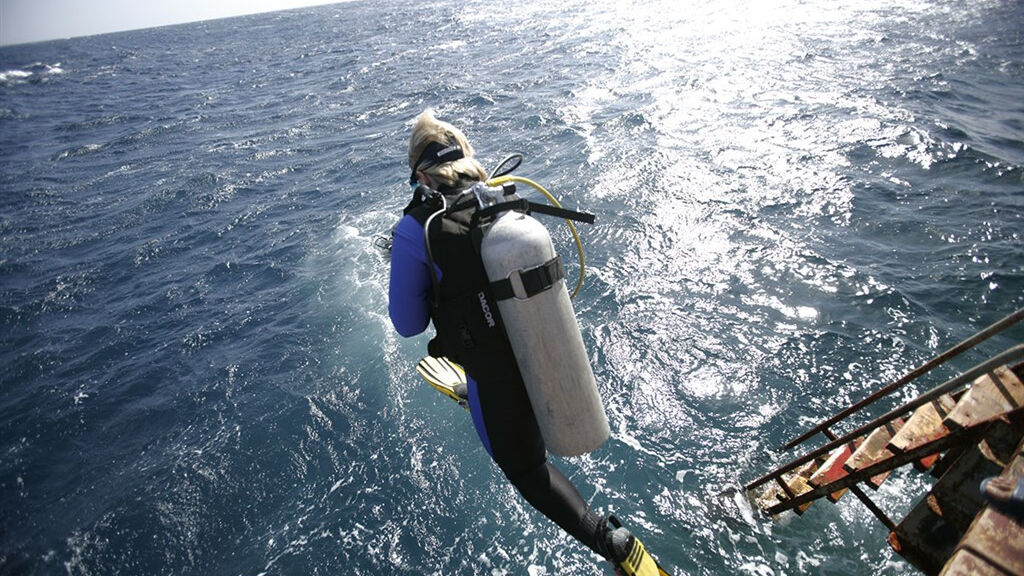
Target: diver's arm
409,289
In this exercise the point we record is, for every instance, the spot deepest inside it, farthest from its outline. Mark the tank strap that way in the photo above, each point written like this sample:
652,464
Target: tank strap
525,283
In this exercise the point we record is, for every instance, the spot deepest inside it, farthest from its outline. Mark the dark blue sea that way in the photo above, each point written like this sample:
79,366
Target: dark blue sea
797,202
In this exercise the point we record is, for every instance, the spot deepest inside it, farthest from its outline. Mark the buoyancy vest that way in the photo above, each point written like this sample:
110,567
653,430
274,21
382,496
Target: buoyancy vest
463,310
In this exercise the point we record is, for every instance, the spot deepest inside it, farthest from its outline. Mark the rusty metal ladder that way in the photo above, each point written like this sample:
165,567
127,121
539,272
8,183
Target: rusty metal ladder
946,419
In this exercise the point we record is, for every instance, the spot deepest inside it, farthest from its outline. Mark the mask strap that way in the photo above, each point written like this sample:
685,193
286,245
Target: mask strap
436,153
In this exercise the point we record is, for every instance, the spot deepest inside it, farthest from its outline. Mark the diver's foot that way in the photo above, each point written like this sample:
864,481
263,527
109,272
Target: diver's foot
625,551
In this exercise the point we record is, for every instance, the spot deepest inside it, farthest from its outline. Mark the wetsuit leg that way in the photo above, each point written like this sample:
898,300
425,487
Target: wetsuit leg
550,492
504,420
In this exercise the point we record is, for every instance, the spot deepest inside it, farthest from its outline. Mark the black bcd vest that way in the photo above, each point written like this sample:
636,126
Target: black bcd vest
464,312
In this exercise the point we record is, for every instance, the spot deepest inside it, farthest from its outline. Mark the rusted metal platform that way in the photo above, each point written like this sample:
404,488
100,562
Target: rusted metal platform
931,533
994,542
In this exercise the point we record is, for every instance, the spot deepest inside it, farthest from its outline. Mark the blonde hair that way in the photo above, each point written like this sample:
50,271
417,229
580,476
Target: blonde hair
455,174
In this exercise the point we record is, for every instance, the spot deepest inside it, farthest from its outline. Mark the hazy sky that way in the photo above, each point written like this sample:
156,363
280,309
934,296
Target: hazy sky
34,20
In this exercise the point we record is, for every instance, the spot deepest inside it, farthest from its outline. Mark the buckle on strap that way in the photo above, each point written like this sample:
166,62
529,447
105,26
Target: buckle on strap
523,284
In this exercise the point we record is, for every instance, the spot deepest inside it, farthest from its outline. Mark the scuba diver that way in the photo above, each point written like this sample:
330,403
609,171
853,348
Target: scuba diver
440,277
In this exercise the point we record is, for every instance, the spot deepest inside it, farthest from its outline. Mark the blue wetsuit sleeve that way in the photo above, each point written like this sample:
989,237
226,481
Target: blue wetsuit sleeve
409,287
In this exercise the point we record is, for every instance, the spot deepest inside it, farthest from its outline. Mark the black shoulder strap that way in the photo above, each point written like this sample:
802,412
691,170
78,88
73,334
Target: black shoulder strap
524,205
584,217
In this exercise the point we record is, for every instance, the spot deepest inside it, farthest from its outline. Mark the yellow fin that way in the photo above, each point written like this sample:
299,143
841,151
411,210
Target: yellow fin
444,376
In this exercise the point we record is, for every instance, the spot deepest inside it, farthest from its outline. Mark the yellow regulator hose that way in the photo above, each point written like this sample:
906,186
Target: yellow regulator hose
579,245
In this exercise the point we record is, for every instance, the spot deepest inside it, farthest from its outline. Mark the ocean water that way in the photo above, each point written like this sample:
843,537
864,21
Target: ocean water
796,201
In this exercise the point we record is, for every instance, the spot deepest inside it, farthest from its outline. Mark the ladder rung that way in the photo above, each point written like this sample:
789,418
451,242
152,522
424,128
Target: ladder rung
923,427
873,450
990,395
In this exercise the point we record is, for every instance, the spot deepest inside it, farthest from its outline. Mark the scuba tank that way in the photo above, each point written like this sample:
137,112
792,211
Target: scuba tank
533,316
542,329
528,282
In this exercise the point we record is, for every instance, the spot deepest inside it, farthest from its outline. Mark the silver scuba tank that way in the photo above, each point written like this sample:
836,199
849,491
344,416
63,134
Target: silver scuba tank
542,329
